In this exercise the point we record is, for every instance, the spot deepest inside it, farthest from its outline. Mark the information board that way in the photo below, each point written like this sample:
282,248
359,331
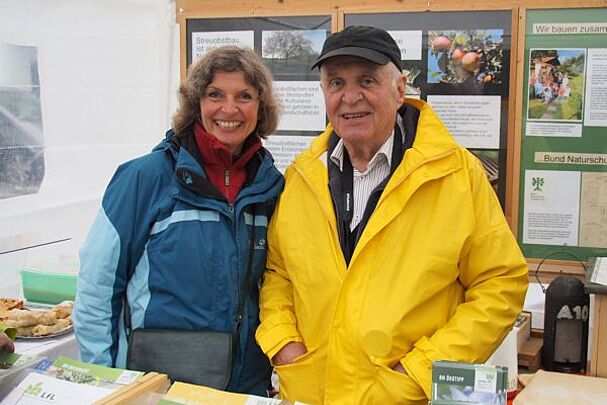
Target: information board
459,62
563,170
289,46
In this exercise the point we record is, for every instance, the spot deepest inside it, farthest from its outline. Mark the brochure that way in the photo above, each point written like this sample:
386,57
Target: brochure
182,393
467,383
68,369
39,389
65,381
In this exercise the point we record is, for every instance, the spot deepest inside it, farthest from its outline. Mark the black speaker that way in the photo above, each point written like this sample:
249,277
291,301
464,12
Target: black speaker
565,326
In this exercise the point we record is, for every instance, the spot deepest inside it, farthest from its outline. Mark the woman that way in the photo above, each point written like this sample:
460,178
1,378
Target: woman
173,236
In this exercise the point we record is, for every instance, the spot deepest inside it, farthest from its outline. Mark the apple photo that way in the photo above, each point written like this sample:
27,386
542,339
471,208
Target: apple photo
465,56
556,84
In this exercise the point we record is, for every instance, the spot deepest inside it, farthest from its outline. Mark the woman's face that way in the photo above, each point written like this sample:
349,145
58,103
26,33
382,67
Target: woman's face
229,109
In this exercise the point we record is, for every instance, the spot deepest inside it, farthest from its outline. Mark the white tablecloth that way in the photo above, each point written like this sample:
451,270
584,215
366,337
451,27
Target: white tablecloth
50,348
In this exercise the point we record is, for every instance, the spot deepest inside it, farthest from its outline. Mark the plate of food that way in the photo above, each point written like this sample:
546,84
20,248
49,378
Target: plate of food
41,323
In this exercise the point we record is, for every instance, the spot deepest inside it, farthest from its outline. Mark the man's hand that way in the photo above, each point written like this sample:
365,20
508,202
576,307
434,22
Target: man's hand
288,353
399,368
6,345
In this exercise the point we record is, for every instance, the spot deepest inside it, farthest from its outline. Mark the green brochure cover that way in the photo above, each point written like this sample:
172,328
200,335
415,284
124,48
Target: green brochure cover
68,369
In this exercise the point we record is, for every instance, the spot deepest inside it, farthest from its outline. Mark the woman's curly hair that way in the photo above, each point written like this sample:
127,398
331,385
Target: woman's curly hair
227,59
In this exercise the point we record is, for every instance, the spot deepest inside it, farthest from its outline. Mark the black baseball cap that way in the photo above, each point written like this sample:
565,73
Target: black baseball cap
370,43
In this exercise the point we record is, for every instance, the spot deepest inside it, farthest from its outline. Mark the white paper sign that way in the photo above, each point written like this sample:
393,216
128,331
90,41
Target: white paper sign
286,148
595,109
553,129
410,44
599,272
39,389
552,206
205,41
570,28
303,106
474,121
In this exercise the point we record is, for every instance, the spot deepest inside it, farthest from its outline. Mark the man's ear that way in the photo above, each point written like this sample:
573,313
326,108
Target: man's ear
401,86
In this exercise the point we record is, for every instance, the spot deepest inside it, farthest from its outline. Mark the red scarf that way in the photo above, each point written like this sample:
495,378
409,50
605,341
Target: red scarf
228,173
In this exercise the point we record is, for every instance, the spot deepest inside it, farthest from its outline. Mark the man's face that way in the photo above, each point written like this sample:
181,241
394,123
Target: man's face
361,98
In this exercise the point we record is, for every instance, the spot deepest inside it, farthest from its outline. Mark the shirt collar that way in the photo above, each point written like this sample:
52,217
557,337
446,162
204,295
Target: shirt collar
384,152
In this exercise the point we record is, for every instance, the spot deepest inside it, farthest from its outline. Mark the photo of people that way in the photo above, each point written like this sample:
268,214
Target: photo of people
556,84
466,56
288,52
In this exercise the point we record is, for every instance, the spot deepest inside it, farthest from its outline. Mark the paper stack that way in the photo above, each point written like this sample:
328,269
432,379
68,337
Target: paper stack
182,393
67,381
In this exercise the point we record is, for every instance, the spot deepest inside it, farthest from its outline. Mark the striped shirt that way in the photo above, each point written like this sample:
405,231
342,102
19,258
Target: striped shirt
365,182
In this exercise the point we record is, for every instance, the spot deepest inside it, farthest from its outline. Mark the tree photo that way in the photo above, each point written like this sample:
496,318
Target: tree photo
291,51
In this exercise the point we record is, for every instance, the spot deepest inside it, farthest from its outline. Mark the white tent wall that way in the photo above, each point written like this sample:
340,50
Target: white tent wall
108,74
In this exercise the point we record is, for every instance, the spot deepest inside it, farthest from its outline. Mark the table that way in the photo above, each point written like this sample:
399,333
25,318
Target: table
50,348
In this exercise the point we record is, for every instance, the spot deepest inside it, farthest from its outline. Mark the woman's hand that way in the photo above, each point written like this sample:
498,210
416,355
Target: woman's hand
288,353
6,344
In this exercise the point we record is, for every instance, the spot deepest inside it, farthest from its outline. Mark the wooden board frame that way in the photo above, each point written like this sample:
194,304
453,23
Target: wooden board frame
200,9
509,172
550,268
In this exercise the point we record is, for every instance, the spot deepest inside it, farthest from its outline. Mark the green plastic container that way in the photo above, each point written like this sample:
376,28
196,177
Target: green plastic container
46,287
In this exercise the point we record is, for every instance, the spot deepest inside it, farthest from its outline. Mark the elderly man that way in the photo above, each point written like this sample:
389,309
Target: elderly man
388,248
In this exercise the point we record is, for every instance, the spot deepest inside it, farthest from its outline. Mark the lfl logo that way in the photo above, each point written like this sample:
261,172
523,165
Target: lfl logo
37,391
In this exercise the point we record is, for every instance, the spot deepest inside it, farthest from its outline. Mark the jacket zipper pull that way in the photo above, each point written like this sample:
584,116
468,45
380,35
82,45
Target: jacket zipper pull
226,178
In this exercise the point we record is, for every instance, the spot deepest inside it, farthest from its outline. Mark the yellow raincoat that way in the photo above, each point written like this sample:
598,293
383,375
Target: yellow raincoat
436,274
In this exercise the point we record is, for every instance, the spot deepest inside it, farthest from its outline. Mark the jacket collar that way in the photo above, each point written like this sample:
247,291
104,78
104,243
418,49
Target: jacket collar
432,141
183,153
433,155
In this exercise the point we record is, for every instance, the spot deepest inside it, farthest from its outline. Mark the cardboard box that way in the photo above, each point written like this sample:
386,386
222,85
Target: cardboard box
522,326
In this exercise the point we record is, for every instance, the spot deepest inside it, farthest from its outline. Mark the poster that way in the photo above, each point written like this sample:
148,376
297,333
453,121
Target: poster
289,46
472,57
459,62
289,52
596,89
593,213
474,121
556,84
286,148
203,42
564,144
552,206
303,106
409,42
